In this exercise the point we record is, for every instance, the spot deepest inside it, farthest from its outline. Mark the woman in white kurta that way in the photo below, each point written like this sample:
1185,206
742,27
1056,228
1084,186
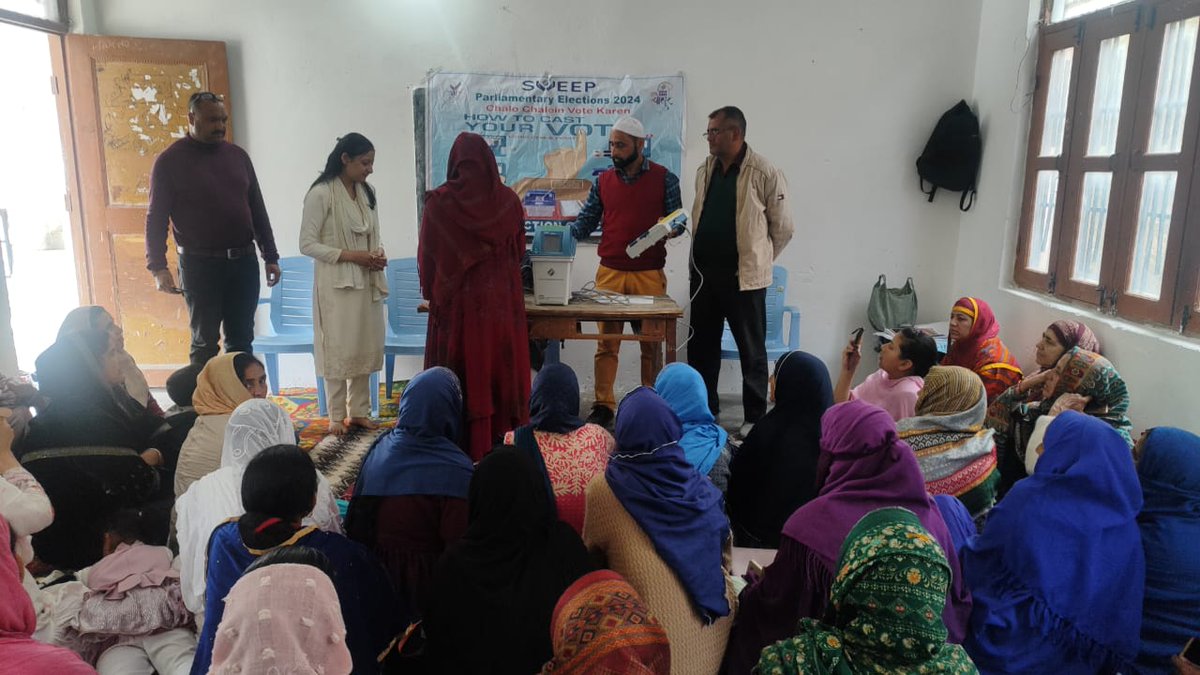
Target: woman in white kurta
340,230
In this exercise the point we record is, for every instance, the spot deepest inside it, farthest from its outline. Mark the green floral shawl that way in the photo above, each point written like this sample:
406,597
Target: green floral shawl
886,601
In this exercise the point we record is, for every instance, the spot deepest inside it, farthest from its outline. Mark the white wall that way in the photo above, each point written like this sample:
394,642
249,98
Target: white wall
840,95
1159,368
8,349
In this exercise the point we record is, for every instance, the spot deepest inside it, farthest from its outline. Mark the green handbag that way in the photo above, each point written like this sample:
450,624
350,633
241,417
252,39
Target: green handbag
891,308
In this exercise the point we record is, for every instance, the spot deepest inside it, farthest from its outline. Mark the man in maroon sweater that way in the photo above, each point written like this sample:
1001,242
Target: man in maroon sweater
208,191
628,199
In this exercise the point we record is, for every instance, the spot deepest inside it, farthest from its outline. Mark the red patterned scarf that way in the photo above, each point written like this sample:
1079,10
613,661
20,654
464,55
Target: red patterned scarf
601,625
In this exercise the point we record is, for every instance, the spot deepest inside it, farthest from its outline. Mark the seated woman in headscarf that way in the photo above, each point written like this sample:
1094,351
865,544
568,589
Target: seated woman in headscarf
279,488
704,444
975,344
410,501
21,398
225,382
1058,574
889,560
659,523
602,625
282,618
254,426
865,466
19,652
574,452
495,589
132,379
1059,338
775,471
1083,381
94,450
1169,469
958,519
956,453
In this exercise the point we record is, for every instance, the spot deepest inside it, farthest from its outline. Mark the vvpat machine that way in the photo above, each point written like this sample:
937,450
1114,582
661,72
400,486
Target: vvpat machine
552,256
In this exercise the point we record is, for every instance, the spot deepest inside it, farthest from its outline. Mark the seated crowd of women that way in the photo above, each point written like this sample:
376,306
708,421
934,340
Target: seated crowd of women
1010,525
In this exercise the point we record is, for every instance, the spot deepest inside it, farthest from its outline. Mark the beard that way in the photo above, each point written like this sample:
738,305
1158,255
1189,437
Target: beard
622,163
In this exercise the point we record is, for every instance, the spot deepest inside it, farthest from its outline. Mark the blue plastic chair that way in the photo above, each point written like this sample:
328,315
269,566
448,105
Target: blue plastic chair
406,328
776,346
291,325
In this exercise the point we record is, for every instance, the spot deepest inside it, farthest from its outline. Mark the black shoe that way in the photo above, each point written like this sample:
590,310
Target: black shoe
601,415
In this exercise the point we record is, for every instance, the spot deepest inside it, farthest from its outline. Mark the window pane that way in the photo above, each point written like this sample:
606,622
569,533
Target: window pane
1106,104
1056,102
1174,85
41,9
1062,10
1043,222
1093,215
1154,224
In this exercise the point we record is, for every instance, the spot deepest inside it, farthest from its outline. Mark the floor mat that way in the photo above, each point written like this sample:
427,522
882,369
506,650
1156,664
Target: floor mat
338,459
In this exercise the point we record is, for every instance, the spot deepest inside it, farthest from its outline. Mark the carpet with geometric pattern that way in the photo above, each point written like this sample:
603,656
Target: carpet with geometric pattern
338,458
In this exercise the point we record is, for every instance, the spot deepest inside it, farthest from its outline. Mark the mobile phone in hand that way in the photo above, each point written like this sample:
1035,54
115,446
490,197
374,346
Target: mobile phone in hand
856,336
1191,651
754,568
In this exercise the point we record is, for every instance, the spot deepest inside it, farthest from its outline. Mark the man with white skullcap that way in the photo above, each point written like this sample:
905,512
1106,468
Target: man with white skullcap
628,199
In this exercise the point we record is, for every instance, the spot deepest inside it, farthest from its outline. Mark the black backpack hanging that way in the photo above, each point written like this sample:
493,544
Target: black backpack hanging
951,157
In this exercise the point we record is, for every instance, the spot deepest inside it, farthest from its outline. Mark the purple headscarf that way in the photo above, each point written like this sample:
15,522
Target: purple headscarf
678,509
869,468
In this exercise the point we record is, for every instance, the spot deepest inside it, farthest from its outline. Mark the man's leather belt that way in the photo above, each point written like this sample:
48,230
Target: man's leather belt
227,253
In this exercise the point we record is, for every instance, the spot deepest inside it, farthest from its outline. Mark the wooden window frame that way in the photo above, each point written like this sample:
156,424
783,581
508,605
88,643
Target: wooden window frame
1144,21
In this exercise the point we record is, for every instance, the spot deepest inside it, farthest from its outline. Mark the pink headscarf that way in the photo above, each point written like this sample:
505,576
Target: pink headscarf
19,652
282,618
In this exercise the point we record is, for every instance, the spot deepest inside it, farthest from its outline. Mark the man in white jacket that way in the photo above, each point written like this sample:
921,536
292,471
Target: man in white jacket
742,222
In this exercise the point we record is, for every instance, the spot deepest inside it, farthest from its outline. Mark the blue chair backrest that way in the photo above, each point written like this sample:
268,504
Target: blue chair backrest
776,295
292,297
404,294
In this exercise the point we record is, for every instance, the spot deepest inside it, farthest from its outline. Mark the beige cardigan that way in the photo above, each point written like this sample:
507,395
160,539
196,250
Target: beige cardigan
696,649
200,454
764,216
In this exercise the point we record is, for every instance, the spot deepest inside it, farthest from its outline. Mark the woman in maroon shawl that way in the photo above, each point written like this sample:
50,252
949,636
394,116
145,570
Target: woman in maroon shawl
469,254
866,467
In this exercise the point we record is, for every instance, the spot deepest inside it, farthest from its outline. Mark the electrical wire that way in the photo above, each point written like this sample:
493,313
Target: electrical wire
589,293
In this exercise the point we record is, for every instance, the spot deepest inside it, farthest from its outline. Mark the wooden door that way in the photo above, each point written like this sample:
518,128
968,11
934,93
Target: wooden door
126,101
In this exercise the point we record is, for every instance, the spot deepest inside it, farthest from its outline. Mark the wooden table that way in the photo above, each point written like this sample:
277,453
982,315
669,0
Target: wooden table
564,322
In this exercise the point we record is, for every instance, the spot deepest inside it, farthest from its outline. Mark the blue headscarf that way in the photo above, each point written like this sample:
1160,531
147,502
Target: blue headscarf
678,509
1170,525
958,519
554,400
420,456
681,386
1058,573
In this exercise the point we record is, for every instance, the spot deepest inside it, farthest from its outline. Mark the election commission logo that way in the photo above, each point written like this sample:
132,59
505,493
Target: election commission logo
662,95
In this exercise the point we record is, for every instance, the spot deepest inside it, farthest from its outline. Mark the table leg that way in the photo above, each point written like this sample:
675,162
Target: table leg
669,340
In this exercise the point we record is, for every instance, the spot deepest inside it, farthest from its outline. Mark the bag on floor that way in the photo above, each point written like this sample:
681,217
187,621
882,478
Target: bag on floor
951,157
892,308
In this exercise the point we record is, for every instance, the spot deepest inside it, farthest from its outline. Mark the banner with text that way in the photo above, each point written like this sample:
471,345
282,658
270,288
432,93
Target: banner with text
550,134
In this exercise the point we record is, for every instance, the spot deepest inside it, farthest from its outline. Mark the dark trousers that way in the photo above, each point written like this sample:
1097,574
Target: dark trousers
717,300
219,291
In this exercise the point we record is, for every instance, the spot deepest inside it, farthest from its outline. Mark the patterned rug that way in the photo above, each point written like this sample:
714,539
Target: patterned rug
338,458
